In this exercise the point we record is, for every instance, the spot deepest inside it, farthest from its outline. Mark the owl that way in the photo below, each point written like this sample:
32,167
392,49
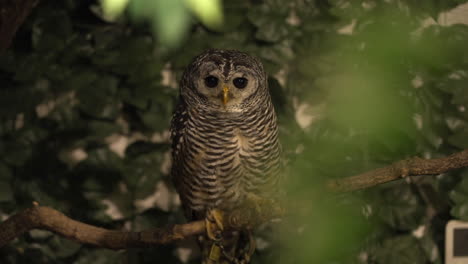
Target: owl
225,145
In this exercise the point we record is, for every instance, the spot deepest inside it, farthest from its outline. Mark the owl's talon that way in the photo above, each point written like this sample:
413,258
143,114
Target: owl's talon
214,224
252,245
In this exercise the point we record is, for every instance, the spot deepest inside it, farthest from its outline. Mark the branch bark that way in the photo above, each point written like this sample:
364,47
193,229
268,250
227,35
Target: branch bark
39,217
12,15
46,218
410,167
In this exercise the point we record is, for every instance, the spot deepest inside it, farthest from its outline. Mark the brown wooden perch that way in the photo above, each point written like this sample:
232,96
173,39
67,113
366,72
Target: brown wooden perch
46,218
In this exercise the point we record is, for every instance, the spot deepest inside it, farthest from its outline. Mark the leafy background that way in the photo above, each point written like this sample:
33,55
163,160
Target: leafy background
86,102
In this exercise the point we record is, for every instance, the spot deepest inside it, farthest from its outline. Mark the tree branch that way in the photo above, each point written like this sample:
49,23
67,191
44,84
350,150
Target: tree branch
410,167
46,218
40,217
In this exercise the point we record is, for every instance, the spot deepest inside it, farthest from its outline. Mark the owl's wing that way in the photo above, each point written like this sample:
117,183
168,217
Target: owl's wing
178,125
179,120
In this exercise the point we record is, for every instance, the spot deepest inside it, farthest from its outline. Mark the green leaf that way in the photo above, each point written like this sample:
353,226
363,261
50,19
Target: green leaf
271,23
460,197
459,139
101,129
6,192
460,93
396,205
143,147
5,172
157,117
33,191
103,158
48,34
99,98
99,256
400,249
15,153
59,247
169,18
460,211
143,172
150,219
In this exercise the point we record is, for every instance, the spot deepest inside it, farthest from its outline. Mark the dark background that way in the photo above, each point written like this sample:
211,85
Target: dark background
85,106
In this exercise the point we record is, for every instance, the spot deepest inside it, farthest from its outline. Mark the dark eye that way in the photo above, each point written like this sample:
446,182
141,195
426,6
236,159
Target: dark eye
240,82
211,81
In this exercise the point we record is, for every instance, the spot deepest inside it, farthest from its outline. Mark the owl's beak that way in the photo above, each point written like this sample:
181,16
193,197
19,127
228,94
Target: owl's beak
225,94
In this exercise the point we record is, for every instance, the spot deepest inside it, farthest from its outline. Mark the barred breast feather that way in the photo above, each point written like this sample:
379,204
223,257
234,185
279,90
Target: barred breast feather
220,157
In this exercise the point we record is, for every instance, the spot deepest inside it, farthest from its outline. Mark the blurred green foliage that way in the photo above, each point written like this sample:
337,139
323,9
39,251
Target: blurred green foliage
72,84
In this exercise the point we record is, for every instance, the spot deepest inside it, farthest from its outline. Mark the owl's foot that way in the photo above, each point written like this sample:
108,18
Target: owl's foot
250,250
214,224
214,227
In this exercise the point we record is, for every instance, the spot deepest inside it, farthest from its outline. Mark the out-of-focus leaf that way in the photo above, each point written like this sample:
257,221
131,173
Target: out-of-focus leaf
113,8
324,222
34,192
151,218
58,247
5,172
40,234
143,147
98,99
142,173
7,61
460,197
102,158
234,15
460,93
169,18
6,192
144,95
99,256
460,211
57,33
459,139
401,249
274,56
398,206
271,22
15,153
208,11
157,117
101,129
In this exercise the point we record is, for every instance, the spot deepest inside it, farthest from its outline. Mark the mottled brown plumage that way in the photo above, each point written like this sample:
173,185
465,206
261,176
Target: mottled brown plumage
224,135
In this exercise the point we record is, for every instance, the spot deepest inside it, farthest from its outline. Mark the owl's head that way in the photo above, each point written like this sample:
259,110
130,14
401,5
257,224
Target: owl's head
227,80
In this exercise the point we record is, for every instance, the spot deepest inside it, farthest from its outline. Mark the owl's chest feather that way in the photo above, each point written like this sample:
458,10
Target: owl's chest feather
224,157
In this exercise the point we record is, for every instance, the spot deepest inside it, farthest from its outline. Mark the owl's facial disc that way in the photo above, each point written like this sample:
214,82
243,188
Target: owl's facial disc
227,90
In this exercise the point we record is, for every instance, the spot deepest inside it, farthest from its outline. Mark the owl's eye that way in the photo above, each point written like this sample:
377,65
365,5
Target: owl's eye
240,82
211,81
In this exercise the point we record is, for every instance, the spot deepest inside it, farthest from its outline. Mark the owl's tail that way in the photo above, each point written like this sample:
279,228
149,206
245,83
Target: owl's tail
235,247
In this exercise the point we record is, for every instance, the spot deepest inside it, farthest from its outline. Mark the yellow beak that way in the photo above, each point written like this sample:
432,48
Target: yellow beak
225,94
